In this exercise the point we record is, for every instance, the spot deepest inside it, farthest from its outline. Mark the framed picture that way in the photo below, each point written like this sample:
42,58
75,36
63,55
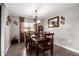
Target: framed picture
53,22
8,20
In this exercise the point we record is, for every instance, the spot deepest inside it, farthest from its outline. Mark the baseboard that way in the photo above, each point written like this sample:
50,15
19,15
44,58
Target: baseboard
74,50
7,49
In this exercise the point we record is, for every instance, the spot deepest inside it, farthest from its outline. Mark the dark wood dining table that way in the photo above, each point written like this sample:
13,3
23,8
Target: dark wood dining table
37,41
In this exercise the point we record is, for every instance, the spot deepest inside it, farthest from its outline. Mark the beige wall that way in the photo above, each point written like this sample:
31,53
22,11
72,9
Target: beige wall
68,34
5,31
15,30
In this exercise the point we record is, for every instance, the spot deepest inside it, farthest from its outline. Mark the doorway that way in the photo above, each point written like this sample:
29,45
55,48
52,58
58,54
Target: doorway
21,29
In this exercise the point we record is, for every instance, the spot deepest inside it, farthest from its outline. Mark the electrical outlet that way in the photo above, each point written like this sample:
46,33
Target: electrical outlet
70,41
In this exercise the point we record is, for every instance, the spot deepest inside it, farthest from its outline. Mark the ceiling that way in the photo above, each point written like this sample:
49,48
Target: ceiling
45,10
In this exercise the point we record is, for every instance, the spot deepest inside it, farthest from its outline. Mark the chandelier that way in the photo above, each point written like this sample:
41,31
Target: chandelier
36,18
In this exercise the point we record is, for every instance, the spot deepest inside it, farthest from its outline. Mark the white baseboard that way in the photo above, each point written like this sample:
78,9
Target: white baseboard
74,50
7,49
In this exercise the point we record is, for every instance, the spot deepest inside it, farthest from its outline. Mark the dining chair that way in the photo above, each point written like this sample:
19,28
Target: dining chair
46,44
29,43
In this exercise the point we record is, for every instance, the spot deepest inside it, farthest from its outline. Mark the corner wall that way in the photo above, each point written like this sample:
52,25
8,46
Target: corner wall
5,31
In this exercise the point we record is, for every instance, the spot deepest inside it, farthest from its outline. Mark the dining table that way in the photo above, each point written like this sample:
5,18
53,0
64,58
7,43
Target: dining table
38,40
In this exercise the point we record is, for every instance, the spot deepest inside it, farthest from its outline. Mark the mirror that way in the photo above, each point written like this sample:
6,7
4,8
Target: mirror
53,22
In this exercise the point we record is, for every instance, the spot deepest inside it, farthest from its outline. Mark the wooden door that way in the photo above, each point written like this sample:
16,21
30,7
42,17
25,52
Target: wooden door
21,29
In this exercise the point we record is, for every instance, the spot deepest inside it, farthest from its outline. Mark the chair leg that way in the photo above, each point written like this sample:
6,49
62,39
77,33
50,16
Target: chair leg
26,46
30,47
43,53
51,53
30,51
36,51
37,54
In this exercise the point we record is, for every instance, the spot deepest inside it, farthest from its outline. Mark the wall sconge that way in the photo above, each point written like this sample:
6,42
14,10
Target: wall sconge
62,20
8,20
16,23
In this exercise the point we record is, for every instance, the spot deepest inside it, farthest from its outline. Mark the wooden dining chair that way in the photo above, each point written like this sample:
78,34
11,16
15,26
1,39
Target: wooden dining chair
27,39
29,43
46,44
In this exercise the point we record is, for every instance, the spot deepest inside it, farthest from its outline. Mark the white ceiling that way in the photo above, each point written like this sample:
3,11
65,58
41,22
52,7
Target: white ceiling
44,9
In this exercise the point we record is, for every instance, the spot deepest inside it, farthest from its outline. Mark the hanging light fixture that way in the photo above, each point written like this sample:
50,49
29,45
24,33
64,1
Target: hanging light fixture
36,19
35,16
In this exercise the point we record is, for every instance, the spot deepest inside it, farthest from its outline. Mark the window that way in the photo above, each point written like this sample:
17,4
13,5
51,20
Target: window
28,27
